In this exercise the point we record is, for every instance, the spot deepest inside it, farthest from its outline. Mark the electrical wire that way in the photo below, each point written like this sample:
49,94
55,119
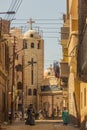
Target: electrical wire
13,7
38,23
49,37
45,27
39,19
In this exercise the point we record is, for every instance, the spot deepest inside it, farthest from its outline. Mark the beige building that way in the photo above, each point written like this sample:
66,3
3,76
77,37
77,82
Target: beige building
27,62
64,67
4,69
33,67
16,45
50,95
76,85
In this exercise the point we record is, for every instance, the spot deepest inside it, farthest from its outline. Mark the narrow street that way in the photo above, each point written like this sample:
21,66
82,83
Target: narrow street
43,65
19,125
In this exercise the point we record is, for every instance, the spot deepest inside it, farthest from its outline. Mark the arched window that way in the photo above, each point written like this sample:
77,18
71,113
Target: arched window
29,91
34,91
32,45
38,46
31,35
18,67
19,85
24,44
16,56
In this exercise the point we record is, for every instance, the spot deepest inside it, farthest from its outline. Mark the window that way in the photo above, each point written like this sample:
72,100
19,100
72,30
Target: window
38,46
6,57
19,85
24,44
35,92
18,67
29,91
31,35
32,45
49,73
16,56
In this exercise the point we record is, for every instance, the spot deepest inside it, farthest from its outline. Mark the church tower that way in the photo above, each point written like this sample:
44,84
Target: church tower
33,66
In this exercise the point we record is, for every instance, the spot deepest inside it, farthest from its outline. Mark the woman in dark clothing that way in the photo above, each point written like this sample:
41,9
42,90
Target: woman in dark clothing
31,116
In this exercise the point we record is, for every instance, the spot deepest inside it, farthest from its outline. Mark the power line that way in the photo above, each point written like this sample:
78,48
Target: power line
15,4
18,23
37,23
46,27
39,19
48,23
49,37
51,32
48,19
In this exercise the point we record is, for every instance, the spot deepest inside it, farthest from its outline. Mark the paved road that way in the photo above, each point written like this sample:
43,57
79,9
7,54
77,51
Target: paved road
40,126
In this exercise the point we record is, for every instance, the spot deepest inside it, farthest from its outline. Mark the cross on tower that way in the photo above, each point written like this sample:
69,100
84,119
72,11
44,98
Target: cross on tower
32,62
31,21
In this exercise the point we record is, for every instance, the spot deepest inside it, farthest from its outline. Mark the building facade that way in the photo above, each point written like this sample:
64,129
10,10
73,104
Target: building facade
4,69
77,85
50,95
16,49
33,67
64,67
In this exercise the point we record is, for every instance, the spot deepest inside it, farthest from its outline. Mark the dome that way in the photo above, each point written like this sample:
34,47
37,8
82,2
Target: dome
31,34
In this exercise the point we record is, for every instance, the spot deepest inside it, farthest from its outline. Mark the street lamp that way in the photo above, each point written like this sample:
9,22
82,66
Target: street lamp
8,12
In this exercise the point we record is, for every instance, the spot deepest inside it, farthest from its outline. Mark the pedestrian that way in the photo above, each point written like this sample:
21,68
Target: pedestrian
65,116
31,115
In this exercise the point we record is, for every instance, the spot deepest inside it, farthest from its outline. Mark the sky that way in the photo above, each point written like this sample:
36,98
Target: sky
47,15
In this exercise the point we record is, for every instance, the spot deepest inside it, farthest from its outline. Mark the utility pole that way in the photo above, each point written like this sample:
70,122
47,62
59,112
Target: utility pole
22,87
13,80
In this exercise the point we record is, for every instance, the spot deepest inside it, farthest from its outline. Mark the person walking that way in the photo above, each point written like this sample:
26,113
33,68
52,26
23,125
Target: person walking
31,116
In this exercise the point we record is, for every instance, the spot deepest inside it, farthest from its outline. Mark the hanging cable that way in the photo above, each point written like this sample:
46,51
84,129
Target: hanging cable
13,7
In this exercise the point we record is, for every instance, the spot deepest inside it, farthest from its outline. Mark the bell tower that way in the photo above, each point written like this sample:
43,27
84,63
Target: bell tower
33,62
